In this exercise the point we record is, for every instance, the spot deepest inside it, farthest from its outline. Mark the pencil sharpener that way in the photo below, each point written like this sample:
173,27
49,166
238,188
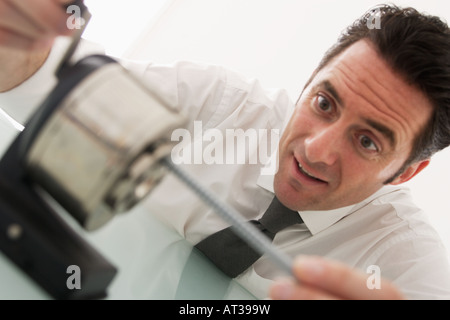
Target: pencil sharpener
93,147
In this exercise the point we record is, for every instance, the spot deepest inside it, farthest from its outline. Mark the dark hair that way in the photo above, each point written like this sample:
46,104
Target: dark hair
417,46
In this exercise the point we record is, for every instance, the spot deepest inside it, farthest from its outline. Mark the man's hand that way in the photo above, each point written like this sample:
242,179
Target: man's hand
27,31
31,24
321,279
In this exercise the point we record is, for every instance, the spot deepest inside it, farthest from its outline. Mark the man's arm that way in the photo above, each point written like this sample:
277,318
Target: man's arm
322,279
27,31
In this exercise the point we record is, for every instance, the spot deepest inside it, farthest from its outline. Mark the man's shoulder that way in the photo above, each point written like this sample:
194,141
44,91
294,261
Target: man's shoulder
395,208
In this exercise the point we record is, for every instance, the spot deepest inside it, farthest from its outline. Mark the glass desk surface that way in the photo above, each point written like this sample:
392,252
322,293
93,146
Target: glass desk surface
153,261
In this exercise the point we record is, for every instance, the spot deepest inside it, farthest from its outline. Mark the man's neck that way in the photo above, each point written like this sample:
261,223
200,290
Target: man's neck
18,66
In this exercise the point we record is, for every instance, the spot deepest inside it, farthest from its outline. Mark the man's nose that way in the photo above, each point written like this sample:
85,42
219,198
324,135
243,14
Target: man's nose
322,145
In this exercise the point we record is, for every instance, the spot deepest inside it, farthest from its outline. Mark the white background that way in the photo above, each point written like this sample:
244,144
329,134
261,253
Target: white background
277,41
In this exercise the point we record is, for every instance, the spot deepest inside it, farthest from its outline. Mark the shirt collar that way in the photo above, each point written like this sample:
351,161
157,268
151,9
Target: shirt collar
22,101
318,220
19,103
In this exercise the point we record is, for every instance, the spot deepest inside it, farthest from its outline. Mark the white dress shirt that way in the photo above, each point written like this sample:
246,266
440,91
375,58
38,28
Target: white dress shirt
386,230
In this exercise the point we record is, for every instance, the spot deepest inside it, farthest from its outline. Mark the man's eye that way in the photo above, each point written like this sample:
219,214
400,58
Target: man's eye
324,104
367,143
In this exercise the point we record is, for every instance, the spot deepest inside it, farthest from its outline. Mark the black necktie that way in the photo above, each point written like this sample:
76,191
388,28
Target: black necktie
231,254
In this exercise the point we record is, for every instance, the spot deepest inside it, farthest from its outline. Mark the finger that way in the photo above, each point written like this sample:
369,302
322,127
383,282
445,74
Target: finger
292,290
11,40
48,17
64,1
337,279
12,19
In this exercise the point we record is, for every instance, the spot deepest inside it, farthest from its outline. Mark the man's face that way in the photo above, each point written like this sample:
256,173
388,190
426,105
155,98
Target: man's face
352,130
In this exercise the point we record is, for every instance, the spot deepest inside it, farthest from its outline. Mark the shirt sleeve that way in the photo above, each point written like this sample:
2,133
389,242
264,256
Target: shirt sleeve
192,88
419,267
185,86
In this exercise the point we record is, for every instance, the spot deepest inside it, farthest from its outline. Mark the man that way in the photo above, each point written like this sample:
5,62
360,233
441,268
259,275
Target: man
369,119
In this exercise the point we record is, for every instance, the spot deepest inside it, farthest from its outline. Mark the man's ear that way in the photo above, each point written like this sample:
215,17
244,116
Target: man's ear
411,171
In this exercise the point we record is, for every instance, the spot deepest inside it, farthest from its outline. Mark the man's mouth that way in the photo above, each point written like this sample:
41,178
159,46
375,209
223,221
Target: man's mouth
308,175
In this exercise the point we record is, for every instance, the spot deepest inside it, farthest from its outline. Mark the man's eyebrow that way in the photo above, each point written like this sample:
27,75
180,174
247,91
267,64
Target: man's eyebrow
332,90
385,131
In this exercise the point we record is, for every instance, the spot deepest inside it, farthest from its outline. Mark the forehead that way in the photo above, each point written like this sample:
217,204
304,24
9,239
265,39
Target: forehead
362,82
